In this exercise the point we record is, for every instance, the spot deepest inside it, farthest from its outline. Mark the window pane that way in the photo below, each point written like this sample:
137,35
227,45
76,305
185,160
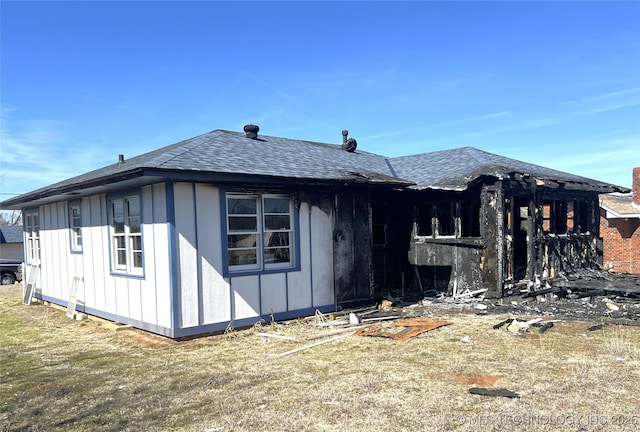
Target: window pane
133,207
137,259
77,236
241,241
273,222
272,239
118,209
277,255
243,223
134,224
118,216
242,206
276,205
121,257
244,256
136,243
118,226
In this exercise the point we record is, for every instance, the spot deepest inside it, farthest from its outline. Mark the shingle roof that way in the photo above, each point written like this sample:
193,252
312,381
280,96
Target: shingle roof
233,153
11,233
619,206
454,169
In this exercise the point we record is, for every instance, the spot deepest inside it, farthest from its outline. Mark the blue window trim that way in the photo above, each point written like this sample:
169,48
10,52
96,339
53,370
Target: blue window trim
223,222
27,253
70,204
135,192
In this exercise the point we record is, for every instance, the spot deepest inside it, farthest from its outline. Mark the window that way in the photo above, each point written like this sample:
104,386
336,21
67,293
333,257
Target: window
126,235
259,232
583,219
32,231
449,218
445,212
554,216
470,218
75,225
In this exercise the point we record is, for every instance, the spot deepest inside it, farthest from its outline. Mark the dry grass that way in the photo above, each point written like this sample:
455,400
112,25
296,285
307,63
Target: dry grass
58,374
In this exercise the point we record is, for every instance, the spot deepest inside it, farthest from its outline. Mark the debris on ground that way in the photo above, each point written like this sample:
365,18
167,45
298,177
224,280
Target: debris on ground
411,328
499,392
518,327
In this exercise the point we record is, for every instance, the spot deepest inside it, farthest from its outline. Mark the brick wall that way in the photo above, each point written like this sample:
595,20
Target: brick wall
621,237
621,243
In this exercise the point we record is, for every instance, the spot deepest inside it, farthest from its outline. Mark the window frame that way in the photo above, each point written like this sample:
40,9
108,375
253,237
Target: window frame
261,264
31,219
126,244
75,226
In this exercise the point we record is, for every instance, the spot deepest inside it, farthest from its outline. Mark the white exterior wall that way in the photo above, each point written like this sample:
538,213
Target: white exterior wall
198,295
140,301
208,297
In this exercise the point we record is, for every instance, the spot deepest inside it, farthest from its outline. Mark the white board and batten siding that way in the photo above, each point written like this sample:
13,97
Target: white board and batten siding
141,301
199,297
207,297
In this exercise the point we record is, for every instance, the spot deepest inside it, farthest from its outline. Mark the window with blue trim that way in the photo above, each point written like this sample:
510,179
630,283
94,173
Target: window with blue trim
260,234
126,235
32,231
75,226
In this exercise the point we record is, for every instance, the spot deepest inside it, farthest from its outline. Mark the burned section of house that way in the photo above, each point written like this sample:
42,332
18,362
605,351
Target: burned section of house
485,221
229,228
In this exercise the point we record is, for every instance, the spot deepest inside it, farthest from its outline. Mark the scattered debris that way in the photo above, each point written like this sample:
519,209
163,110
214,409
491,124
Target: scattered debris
465,339
612,306
412,328
270,335
518,327
468,293
499,392
386,305
314,345
353,319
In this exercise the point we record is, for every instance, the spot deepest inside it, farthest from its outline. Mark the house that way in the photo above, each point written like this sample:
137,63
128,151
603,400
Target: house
620,229
228,228
11,245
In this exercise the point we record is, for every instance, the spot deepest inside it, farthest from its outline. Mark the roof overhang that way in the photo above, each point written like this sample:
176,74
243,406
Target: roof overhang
140,177
612,214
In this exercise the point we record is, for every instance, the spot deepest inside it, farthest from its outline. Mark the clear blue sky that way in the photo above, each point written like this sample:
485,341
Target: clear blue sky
552,83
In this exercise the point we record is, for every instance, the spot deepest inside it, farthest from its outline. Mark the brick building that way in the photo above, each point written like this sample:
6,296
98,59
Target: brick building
620,229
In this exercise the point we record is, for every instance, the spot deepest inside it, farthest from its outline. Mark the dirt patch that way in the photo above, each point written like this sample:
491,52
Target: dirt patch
478,380
148,340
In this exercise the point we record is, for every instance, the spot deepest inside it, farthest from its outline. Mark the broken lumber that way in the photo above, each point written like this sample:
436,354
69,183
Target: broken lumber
412,327
313,345
470,293
276,336
501,392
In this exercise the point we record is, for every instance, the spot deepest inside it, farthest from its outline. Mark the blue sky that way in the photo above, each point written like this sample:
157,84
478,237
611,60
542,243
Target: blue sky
552,83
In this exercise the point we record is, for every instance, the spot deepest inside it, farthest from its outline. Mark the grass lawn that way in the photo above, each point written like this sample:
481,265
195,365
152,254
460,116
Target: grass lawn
59,374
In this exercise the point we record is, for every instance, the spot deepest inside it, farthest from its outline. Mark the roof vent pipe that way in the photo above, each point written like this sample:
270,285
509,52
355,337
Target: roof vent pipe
251,131
348,144
120,159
